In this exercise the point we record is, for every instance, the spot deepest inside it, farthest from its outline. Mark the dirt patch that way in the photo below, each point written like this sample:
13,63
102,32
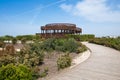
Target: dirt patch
50,62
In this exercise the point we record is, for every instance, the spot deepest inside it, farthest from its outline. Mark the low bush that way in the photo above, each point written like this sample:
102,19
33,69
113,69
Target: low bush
31,58
83,37
6,37
8,55
35,50
49,44
10,49
109,42
12,72
70,45
2,44
64,61
81,49
64,45
7,59
14,41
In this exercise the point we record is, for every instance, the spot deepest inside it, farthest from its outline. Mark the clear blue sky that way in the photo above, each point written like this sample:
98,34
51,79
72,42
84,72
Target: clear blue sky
99,17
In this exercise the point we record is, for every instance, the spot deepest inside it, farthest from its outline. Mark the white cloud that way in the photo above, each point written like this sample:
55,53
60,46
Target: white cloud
93,10
66,7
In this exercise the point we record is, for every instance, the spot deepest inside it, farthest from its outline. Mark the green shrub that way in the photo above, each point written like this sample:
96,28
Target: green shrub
31,57
70,45
49,44
37,52
26,37
64,45
83,37
64,61
109,42
10,49
2,44
86,37
81,49
6,37
7,59
14,40
12,72
59,48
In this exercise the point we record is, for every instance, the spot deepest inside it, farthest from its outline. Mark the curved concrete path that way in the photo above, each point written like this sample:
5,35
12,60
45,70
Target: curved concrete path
103,64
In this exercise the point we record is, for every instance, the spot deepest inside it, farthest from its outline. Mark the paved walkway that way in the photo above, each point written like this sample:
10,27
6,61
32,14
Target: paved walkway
103,64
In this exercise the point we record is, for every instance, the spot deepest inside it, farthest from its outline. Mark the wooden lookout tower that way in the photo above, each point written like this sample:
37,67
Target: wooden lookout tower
59,30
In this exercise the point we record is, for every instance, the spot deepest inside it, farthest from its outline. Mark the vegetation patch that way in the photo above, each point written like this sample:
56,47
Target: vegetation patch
64,61
18,72
109,42
63,45
42,57
81,48
83,37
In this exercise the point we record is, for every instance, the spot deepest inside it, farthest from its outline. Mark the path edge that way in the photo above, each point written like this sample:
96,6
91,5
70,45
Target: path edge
80,58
